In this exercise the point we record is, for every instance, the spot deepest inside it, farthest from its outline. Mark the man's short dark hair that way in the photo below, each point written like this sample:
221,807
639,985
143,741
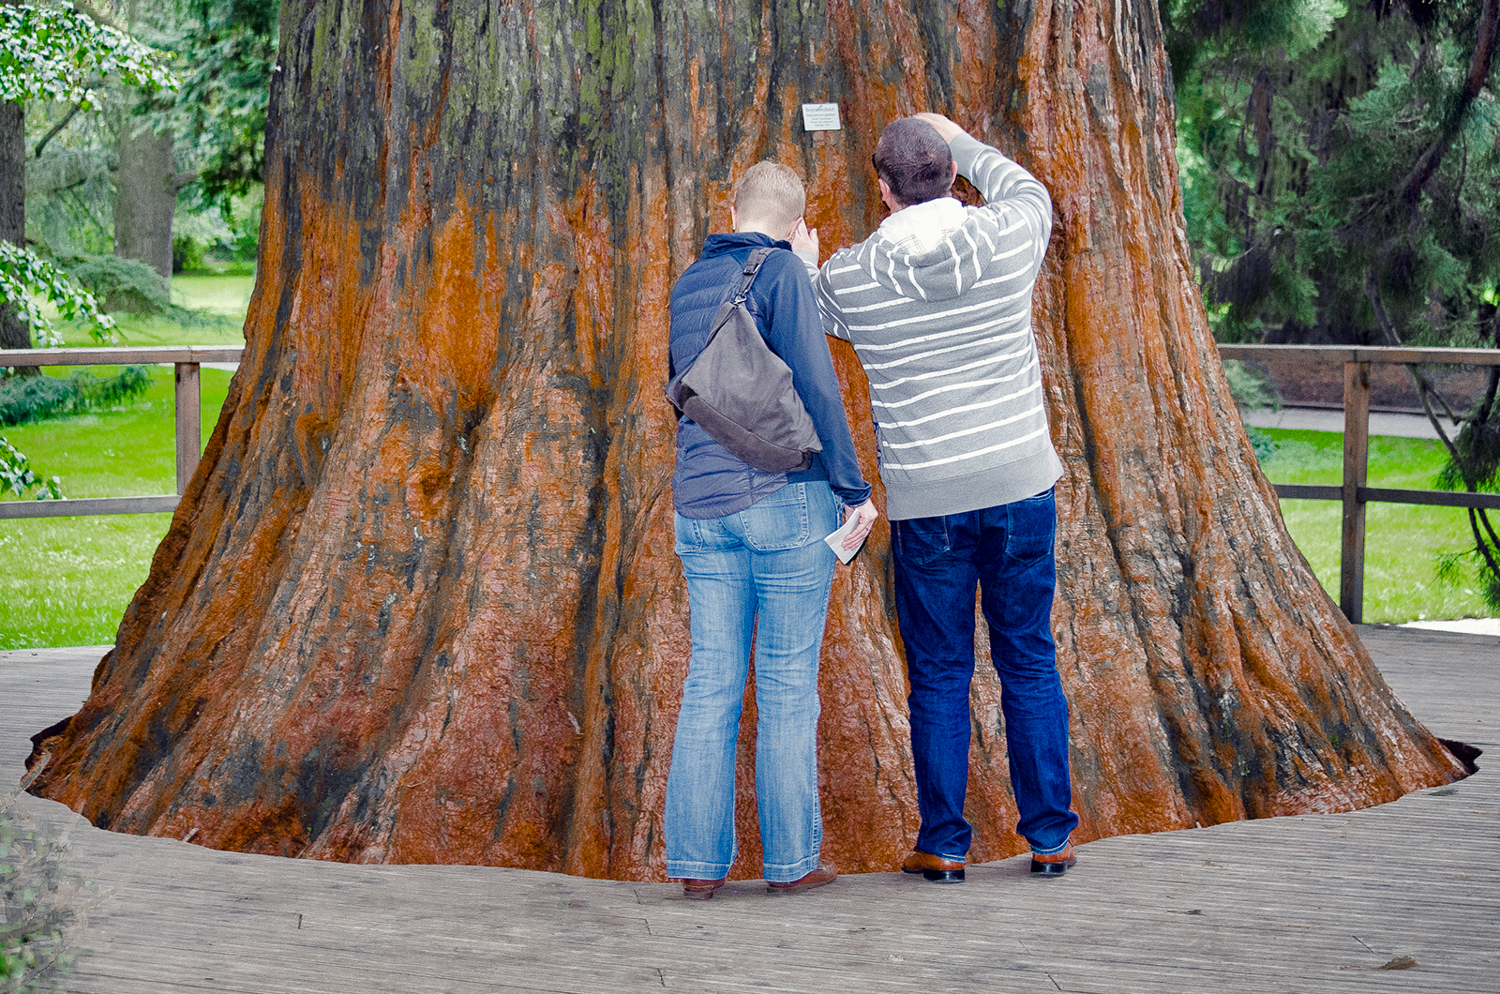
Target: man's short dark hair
914,161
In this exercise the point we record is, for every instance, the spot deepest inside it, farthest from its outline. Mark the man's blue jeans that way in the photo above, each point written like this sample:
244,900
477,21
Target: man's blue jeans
1007,551
764,571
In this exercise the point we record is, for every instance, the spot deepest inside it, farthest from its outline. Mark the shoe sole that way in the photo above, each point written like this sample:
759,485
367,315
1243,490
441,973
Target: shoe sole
701,891
939,876
1051,869
798,888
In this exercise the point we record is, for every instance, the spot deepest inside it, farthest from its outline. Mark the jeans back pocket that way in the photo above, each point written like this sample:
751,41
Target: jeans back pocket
778,522
1030,528
922,540
687,536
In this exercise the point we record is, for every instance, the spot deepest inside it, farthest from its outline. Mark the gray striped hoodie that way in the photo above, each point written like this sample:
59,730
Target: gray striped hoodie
937,304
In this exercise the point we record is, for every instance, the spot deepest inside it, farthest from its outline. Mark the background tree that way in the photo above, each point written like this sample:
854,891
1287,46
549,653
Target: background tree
230,48
226,49
420,601
57,54
1342,182
13,333
166,178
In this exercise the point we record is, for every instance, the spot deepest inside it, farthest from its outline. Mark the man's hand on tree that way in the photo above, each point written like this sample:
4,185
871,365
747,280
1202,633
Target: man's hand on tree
804,239
943,125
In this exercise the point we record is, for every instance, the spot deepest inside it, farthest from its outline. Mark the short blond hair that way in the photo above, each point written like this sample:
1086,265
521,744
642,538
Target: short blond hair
771,194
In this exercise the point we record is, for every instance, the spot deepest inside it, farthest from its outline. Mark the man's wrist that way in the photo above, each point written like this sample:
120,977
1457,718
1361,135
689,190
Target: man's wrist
965,148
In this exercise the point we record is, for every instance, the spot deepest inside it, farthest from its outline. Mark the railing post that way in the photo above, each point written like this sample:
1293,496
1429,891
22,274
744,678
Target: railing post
189,424
1356,463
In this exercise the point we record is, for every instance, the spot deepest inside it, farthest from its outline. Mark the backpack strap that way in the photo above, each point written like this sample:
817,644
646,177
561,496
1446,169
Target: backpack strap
752,267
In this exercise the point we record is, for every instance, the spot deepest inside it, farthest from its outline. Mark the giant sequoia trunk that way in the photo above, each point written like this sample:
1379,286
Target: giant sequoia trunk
420,602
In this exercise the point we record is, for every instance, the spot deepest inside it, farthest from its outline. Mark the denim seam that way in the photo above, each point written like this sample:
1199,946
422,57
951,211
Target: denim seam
678,869
786,873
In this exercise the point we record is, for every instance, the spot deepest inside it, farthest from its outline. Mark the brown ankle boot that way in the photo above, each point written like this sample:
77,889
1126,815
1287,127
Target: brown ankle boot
823,873
934,868
1053,864
700,890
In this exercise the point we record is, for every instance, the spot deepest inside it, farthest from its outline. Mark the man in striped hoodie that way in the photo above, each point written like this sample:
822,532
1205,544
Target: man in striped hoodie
937,304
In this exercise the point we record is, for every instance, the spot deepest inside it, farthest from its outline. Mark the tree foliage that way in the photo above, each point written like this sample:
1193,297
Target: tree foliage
17,476
1341,180
25,276
32,398
1305,130
229,47
38,898
57,53
223,52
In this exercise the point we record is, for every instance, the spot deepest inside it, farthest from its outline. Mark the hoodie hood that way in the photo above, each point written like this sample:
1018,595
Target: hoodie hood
932,251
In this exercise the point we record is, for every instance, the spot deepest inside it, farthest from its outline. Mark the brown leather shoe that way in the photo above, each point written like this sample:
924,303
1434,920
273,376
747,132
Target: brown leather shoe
701,890
934,868
824,873
1054,864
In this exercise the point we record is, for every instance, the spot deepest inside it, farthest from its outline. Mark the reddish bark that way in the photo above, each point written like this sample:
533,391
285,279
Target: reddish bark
420,602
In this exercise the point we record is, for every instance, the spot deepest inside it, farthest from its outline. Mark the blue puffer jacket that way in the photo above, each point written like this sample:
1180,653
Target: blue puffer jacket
709,482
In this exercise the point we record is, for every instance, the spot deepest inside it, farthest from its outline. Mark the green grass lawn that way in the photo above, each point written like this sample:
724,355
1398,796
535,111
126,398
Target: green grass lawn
1402,541
68,580
219,303
225,295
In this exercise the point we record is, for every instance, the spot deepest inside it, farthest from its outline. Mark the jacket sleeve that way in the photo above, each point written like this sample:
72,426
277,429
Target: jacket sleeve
795,332
1009,191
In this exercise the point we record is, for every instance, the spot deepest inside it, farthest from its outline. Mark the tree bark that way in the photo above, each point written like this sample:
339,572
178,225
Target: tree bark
145,197
14,334
420,602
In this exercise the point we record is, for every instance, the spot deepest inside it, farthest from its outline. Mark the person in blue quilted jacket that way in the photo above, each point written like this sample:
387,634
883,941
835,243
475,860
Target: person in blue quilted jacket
753,553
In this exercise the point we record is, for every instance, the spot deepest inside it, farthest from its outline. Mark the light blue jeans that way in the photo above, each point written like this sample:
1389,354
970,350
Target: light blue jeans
762,572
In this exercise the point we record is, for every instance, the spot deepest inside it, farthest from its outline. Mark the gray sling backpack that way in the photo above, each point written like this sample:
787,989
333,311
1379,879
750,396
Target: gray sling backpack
741,393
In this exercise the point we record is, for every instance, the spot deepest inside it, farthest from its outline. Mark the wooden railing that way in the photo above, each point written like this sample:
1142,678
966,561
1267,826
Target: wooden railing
1352,492
189,430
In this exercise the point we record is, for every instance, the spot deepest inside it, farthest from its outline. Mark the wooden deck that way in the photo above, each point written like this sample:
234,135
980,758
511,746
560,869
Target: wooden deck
1305,904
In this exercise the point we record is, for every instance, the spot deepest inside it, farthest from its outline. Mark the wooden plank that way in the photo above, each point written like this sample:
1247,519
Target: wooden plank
1433,675
1379,495
1430,498
121,356
1116,933
1356,463
73,506
1362,353
189,423
1312,903
1308,491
